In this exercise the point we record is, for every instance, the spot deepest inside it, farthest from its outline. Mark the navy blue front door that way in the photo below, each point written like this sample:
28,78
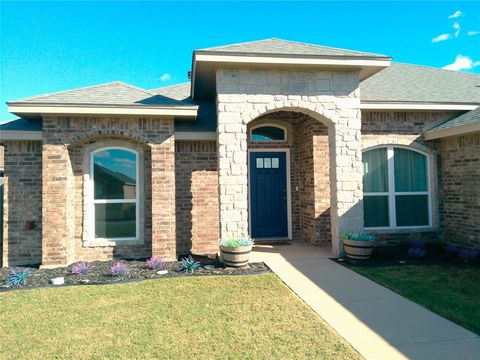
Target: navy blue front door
268,195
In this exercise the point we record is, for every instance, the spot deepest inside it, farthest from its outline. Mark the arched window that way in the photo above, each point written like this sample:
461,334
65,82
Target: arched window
267,132
114,180
396,191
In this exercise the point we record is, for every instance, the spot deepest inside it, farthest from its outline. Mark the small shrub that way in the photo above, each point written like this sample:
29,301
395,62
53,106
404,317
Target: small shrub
451,249
468,254
155,263
189,265
232,242
358,236
120,269
17,277
82,269
417,250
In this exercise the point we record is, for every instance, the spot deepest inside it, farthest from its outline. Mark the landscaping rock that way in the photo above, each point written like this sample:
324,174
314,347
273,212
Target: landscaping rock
138,270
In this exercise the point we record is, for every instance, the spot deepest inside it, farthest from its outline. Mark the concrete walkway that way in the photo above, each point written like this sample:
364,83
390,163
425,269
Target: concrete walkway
377,322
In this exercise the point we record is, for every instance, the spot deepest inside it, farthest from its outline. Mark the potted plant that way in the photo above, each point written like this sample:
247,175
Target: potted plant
235,252
358,245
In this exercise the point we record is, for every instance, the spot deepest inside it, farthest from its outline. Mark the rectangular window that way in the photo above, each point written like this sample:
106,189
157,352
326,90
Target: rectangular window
375,171
376,211
412,210
267,162
259,163
115,220
114,172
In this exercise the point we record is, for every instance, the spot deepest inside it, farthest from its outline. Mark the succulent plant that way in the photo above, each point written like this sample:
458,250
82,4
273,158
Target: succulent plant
233,242
189,265
358,236
17,277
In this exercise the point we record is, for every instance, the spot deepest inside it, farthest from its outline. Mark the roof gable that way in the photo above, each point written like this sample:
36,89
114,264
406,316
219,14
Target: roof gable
276,46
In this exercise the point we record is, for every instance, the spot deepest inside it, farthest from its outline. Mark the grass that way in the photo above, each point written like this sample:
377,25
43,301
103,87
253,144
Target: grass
450,291
241,317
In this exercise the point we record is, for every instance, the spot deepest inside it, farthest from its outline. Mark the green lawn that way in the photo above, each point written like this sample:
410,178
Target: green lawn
452,292
238,317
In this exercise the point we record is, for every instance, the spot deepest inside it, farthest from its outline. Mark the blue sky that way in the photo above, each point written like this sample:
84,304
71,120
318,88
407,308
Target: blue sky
48,47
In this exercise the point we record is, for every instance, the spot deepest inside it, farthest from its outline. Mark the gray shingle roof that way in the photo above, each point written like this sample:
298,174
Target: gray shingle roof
207,112
275,46
22,124
413,83
468,118
115,93
180,92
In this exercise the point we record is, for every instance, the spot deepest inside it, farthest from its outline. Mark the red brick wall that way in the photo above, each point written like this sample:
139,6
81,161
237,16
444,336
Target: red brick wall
461,188
196,190
400,123
22,203
64,141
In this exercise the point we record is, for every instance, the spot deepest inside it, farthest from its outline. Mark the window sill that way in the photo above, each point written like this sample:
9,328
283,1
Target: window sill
110,243
402,230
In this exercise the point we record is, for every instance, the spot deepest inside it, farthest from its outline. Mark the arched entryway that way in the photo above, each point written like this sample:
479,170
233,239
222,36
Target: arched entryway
289,180
337,108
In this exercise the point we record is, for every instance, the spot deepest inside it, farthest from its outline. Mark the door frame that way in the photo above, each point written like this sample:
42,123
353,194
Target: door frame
289,192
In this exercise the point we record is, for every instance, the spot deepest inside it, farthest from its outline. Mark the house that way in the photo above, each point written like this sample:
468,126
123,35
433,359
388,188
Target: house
274,139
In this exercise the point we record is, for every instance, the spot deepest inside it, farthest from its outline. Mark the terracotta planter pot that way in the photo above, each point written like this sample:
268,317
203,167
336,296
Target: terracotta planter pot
235,256
358,250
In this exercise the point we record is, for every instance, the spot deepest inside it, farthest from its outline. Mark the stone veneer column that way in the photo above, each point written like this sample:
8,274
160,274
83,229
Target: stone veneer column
330,97
57,207
163,194
346,172
232,174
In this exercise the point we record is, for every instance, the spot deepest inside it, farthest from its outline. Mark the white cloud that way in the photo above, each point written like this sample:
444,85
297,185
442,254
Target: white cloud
165,77
472,33
457,28
442,37
456,14
462,63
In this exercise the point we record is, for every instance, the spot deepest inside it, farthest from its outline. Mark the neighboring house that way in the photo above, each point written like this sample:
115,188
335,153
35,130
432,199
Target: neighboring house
274,139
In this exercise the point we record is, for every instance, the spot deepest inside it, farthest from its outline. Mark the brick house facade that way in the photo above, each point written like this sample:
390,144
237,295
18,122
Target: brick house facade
194,147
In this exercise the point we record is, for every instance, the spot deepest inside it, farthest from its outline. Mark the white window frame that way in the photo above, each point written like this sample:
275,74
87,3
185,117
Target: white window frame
94,201
391,193
285,132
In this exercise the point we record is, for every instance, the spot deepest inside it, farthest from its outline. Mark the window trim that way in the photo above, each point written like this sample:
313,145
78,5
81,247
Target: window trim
392,211
89,239
285,132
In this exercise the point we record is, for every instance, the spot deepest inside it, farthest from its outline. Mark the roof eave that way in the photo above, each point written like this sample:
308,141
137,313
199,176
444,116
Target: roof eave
367,65
38,109
453,131
397,105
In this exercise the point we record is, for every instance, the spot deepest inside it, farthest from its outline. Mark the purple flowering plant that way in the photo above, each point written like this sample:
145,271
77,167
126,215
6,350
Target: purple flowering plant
417,250
155,263
120,269
468,254
82,269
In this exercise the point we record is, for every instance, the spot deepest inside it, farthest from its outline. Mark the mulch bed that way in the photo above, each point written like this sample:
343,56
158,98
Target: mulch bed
138,271
398,256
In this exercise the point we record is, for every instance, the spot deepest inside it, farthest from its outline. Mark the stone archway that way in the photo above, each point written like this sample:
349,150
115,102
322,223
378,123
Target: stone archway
244,95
